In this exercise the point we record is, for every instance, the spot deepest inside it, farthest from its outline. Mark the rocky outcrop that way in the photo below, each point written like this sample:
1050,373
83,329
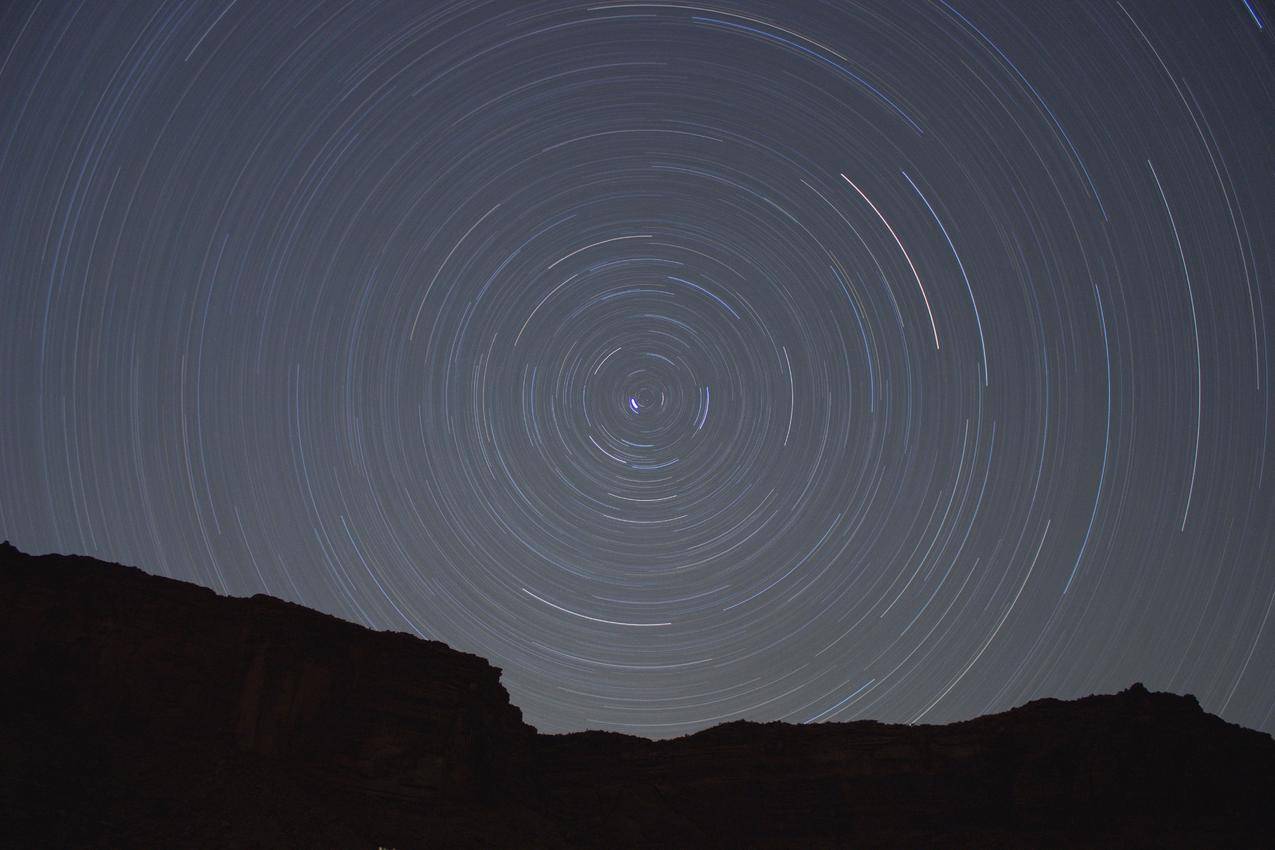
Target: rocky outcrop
131,700
137,711
1134,769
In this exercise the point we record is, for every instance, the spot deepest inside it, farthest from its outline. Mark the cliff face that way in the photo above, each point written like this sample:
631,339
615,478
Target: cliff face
129,693
137,711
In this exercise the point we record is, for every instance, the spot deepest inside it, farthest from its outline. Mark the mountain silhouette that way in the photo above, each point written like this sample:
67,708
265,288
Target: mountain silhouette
139,711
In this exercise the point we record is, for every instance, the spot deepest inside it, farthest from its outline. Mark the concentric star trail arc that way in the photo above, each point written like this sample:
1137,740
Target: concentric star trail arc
769,359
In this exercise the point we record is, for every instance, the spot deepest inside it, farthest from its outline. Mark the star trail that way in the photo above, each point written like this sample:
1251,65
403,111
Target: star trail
814,361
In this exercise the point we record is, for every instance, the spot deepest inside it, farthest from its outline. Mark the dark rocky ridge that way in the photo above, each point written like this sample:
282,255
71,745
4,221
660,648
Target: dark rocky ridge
137,711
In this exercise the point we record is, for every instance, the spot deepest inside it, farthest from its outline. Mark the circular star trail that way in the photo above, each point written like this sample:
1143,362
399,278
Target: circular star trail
805,361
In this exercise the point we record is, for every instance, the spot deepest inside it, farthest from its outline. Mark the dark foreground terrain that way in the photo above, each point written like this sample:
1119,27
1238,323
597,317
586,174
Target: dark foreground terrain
137,711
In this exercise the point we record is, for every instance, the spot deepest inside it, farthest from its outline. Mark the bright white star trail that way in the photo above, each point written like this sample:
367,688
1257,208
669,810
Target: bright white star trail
894,359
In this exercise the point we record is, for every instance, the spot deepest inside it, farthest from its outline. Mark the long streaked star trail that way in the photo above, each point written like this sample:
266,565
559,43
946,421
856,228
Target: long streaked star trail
690,361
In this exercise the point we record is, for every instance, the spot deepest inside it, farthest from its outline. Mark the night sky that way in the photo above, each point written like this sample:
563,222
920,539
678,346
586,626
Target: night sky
811,361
